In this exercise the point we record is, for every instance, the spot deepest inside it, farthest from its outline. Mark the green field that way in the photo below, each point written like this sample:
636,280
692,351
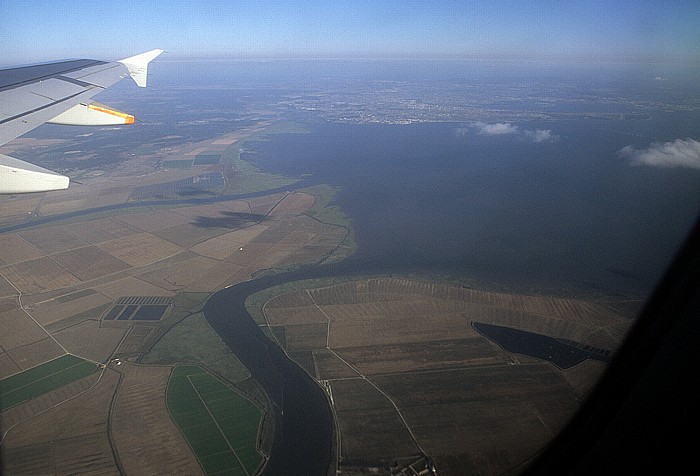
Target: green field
220,425
207,159
244,177
42,379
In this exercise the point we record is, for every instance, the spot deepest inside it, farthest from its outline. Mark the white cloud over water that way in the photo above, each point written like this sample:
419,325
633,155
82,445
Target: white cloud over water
496,129
679,153
542,135
505,128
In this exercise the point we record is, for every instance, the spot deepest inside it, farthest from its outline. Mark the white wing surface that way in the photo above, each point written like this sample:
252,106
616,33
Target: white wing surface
58,93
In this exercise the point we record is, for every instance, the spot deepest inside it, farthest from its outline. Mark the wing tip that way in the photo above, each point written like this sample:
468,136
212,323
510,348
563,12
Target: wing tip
137,65
17,176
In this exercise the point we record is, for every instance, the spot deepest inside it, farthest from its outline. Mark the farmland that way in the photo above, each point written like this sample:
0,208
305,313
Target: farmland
70,436
409,375
220,425
39,380
123,290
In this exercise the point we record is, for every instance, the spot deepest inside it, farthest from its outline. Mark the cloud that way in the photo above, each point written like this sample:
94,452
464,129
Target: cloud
503,128
542,135
679,153
497,129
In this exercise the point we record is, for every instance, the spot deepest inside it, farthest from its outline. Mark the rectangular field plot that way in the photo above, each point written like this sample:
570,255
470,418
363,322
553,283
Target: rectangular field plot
50,240
370,427
220,425
44,378
207,159
177,164
89,262
429,355
38,275
15,250
139,249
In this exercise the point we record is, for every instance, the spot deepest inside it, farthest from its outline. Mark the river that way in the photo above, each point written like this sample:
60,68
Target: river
303,439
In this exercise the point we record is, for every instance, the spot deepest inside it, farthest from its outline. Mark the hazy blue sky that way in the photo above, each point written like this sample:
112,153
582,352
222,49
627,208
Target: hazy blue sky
537,29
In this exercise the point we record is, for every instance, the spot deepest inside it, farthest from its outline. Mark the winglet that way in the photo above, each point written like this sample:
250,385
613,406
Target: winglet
138,66
17,176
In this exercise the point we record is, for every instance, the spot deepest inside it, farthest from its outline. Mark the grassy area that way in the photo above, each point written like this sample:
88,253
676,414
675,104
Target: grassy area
192,340
207,159
42,379
322,209
220,425
244,177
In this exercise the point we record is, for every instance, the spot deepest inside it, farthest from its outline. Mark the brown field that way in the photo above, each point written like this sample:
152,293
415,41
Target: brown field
104,229
58,309
70,438
215,210
14,249
68,205
370,428
26,412
305,337
180,275
147,440
329,366
52,239
408,374
90,340
20,209
131,286
264,205
222,246
18,330
88,263
152,220
293,204
295,315
38,352
185,235
430,355
218,277
38,275
7,365
139,249
512,409
6,289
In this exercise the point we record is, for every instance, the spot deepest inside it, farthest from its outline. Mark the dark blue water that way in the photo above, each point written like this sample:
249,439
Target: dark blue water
562,353
567,214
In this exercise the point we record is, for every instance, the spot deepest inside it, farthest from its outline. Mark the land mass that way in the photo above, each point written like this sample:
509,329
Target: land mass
410,379
414,383
123,290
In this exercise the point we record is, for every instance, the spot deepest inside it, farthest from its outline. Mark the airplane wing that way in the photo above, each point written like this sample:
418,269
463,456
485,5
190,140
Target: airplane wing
57,93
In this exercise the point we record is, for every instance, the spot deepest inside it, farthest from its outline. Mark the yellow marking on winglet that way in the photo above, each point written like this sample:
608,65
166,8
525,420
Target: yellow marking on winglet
128,118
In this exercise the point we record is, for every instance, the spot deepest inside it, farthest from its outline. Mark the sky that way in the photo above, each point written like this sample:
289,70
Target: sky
612,30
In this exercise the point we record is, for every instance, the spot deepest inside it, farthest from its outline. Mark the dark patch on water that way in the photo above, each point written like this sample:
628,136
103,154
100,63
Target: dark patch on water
561,352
